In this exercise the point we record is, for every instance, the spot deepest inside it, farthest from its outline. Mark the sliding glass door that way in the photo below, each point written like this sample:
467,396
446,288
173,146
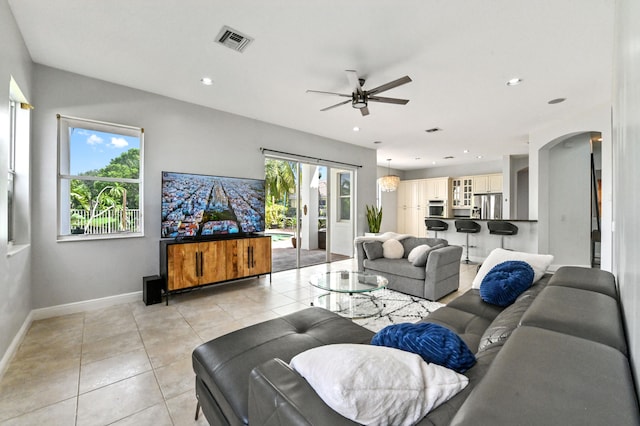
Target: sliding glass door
303,213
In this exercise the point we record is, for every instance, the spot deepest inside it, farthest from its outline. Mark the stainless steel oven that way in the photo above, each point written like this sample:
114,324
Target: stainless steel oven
437,208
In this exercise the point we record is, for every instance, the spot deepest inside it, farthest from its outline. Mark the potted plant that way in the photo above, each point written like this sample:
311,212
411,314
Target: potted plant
374,219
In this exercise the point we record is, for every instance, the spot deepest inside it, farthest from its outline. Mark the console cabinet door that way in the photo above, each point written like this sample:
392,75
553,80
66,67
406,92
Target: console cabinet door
234,259
259,252
212,263
183,266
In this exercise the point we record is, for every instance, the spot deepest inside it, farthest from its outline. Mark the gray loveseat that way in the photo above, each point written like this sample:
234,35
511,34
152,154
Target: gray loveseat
437,278
557,356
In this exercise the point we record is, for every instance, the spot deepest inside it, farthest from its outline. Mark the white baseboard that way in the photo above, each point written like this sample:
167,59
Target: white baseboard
55,311
85,305
15,344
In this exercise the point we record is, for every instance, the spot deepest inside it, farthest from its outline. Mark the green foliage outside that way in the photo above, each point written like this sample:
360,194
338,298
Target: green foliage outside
280,182
98,197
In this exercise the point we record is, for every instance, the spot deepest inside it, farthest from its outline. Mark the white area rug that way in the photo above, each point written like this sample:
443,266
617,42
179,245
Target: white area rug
396,308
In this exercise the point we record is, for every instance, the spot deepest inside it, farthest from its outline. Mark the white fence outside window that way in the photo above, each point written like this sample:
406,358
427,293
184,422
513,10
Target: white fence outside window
107,222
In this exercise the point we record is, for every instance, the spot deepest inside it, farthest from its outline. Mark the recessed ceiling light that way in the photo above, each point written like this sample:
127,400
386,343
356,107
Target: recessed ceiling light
466,151
514,81
207,81
479,156
556,101
356,129
433,162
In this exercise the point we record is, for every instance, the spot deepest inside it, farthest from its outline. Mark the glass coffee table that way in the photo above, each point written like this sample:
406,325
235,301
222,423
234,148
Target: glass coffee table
349,293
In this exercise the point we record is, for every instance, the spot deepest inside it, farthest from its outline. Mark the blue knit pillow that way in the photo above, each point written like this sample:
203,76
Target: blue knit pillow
433,342
505,282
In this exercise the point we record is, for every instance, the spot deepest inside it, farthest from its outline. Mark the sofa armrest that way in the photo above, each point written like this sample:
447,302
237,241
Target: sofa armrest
443,256
278,395
360,255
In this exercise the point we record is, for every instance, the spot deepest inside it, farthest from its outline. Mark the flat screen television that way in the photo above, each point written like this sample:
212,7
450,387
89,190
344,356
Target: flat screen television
196,205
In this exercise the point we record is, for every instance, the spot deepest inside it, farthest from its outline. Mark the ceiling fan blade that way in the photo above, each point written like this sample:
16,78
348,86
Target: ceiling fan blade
336,105
388,100
329,93
364,111
390,85
354,81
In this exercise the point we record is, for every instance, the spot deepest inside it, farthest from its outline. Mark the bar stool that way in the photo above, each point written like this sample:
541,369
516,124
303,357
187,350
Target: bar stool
436,225
467,227
502,228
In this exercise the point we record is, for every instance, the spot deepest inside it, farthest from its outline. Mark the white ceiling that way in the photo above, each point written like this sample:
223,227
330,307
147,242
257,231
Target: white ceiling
459,55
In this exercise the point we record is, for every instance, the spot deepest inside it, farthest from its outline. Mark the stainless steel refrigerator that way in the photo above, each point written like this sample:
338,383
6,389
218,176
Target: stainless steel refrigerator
487,206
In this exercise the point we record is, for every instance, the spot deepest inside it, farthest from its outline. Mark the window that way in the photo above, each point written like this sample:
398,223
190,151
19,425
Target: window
99,179
18,179
12,172
344,196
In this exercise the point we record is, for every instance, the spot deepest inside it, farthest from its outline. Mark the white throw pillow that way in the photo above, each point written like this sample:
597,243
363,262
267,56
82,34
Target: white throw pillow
417,252
392,249
377,385
539,263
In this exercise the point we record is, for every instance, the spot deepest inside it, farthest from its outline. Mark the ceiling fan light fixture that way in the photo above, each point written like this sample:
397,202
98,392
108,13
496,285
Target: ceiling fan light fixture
359,101
389,183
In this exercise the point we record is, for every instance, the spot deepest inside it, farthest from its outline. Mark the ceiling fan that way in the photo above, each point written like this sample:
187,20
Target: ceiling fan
360,98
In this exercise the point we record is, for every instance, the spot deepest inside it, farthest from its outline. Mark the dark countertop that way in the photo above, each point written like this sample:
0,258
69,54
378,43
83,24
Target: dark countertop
483,220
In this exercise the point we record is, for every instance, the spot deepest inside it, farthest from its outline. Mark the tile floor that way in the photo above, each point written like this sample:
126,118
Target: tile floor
130,364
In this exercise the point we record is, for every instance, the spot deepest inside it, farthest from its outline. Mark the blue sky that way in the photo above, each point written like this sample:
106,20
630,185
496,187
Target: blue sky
92,150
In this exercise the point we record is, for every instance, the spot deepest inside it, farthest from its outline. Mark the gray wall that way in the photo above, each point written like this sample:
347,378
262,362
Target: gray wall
569,171
15,270
626,158
479,168
179,137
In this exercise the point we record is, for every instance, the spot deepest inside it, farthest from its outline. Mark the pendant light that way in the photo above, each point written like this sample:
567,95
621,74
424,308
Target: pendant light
389,183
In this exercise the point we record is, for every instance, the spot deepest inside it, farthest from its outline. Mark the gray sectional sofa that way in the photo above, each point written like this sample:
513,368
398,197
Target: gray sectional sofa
556,356
434,280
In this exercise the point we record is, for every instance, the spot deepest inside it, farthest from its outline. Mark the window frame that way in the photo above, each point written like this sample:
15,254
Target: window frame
64,177
11,177
341,197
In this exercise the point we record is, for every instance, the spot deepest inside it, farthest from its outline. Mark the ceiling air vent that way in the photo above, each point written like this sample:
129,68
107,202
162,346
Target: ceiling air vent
233,39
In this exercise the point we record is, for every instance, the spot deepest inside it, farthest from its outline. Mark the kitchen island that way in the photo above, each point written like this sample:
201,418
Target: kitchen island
482,242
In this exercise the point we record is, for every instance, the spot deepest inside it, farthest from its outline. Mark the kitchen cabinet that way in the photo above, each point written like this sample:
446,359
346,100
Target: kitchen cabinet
461,192
437,188
484,184
411,207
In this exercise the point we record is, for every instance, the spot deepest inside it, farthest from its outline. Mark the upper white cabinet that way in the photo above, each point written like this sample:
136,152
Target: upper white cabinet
461,192
483,184
437,189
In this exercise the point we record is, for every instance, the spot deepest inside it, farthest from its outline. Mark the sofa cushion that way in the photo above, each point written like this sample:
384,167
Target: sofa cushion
377,385
586,279
505,282
400,267
421,259
539,263
509,319
417,251
373,249
392,249
472,303
433,342
469,327
581,313
547,378
412,242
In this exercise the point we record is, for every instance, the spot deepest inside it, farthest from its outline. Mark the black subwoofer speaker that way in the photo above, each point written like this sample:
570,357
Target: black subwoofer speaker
152,289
